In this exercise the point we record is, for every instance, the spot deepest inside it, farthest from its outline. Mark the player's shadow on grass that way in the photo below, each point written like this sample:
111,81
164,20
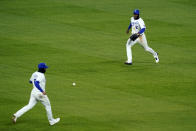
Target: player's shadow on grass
119,66
105,122
28,121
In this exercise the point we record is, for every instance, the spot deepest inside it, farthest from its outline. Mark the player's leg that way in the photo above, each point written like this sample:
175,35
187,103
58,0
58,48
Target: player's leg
129,51
31,104
142,41
46,102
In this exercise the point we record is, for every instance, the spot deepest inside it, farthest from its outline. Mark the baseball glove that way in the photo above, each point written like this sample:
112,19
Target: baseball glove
134,37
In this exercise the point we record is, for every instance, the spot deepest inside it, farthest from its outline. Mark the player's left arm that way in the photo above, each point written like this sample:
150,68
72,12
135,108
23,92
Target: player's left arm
142,31
142,26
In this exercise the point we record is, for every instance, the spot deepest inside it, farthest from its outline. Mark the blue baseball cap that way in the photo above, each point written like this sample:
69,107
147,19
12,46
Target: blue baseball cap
136,12
42,65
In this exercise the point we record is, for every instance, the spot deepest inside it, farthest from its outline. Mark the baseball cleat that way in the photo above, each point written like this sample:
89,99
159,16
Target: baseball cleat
128,63
157,58
14,118
54,121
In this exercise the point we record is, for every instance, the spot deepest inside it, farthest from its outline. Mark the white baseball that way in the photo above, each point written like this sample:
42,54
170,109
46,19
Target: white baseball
74,84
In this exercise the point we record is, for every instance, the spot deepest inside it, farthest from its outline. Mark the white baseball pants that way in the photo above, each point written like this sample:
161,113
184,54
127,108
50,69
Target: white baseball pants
143,42
34,98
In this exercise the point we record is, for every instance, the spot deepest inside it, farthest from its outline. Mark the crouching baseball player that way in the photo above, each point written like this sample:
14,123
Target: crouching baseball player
138,36
38,94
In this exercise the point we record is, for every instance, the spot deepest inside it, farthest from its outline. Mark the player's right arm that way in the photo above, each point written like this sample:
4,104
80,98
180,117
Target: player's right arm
31,79
37,85
36,81
129,27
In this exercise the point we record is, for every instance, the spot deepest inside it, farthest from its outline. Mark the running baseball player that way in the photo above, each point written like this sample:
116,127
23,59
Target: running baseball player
138,36
38,94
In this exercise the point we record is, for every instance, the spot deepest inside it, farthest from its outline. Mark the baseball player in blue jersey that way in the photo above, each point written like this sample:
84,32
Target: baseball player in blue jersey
38,93
138,36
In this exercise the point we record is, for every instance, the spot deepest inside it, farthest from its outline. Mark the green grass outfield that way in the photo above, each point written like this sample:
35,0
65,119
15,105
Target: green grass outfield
83,41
